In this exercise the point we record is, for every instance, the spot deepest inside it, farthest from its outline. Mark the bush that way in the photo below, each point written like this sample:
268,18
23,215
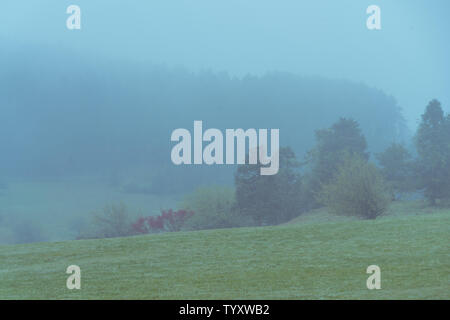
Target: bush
357,189
113,222
214,208
167,221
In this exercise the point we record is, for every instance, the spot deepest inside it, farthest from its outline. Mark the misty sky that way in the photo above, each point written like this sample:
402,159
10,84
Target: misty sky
408,58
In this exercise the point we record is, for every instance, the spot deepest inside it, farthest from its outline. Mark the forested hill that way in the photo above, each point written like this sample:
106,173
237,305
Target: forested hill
78,115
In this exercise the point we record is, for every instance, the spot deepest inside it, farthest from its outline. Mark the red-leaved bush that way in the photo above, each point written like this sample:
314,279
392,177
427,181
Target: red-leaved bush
167,221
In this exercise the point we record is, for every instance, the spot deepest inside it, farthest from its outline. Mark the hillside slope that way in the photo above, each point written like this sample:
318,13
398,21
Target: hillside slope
325,260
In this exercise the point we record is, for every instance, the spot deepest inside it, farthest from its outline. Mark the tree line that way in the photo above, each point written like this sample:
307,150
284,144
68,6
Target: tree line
338,172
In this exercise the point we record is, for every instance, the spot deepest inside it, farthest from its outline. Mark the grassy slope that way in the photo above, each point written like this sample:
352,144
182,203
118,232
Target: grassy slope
315,258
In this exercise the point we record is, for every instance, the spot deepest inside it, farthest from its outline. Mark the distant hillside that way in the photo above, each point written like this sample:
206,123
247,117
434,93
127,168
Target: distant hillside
67,115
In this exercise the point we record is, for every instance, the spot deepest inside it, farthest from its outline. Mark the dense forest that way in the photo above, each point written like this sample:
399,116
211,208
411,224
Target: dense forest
81,116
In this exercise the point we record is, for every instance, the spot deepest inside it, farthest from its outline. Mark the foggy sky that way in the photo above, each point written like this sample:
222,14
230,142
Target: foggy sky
408,58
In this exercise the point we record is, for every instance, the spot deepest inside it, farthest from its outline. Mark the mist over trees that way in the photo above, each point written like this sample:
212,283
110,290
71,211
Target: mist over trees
71,116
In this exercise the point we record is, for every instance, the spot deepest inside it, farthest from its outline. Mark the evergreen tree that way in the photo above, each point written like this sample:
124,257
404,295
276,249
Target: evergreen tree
332,145
433,148
270,199
397,168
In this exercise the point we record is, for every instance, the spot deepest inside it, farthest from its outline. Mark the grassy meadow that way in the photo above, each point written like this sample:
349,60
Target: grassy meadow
316,256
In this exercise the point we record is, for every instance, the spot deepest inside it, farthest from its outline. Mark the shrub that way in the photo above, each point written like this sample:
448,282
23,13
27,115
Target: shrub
357,189
113,222
167,221
214,208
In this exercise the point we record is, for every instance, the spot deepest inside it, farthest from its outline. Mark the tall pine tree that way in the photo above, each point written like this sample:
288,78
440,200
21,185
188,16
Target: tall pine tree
433,148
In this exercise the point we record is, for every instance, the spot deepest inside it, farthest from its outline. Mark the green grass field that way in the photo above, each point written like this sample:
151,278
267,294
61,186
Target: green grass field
314,257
